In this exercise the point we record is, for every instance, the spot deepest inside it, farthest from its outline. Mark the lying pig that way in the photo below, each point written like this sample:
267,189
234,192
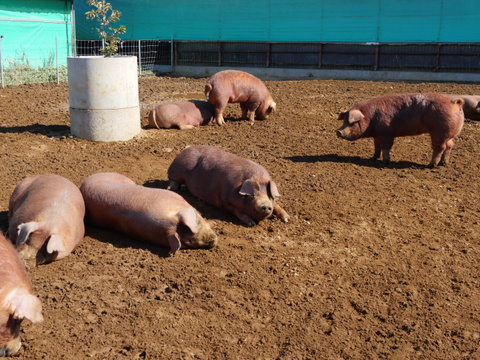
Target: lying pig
157,216
181,114
390,116
17,301
471,107
46,218
219,178
233,86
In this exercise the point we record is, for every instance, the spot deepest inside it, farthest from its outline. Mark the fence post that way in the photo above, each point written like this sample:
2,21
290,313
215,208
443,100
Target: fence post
56,60
1,62
139,58
172,55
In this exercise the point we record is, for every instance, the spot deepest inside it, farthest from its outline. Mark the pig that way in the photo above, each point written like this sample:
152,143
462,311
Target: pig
181,114
46,214
156,216
240,186
471,107
17,301
390,116
233,86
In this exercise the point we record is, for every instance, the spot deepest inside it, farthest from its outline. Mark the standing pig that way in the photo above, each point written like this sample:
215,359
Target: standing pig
390,116
17,301
46,218
157,216
471,107
233,86
219,178
181,114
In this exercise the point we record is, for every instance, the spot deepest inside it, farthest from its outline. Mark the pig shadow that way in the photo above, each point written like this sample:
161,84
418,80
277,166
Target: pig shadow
47,130
122,241
208,211
373,163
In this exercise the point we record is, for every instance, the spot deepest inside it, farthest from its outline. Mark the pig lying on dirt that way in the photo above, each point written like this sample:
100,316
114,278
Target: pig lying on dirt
390,116
233,86
46,218
17,301
219,178
471,107
181,114
153,215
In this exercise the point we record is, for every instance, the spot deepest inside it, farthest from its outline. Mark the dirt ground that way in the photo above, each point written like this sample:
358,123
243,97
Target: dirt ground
377,262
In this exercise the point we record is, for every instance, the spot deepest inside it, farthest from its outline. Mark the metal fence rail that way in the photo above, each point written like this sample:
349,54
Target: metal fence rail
437,57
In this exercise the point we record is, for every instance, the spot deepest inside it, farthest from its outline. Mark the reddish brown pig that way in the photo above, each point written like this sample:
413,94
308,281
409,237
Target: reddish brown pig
471,107
157,216
46,218
387,117
181,114
233,86
17,301
219,178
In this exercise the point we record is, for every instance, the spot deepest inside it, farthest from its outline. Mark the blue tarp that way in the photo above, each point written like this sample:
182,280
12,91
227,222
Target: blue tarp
296,21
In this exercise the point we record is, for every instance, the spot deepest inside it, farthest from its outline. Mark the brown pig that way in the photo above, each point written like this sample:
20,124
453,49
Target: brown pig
471,107
386,117
156,216
46,218
181,114
233,86
17,301
222,179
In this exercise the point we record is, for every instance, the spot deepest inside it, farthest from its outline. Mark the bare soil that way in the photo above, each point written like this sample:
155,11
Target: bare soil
377,262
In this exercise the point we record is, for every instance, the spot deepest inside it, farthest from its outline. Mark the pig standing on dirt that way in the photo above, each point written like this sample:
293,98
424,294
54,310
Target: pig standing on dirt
46,218
390,116
219,178
233,86
157,216
17,301
471,107
181,114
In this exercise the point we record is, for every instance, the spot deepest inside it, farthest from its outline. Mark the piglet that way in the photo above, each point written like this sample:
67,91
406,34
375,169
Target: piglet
156,216
471,107
222,179
386,117
181,114
46,218
233,86
17,301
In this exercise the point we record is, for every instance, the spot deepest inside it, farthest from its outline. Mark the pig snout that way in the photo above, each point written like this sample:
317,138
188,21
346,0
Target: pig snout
264,207
344,133
12,346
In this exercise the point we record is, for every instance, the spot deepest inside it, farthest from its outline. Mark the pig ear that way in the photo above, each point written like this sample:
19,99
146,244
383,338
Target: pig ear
174,243
24,230
55,243
24,306
355,116
272,190
188,217
250,187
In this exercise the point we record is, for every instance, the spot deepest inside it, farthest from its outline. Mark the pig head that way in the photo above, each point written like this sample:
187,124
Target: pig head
242,187
17,301
156,216
45,218
181,114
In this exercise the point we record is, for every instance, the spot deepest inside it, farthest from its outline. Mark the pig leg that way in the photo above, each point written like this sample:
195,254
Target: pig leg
245,219
280,213
244,108
441,152
378,149
386,143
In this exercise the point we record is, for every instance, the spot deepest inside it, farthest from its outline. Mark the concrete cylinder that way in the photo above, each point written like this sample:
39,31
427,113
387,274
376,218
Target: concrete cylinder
103,94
